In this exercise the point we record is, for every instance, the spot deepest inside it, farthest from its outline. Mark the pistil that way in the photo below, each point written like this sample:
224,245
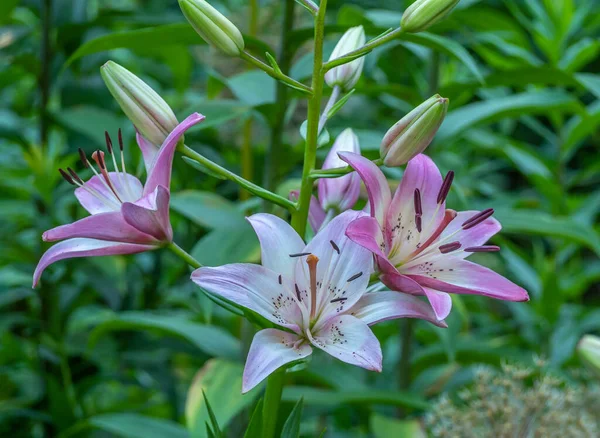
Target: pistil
312,261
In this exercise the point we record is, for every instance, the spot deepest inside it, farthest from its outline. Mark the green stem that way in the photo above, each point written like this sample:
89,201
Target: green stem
227,174
300,217
272,402
335,94
361,51
181,253
275,74
337,171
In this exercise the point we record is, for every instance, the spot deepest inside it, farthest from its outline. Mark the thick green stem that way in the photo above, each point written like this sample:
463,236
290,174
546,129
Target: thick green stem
275,74
272,402
300,217
227,174
337,171
181,253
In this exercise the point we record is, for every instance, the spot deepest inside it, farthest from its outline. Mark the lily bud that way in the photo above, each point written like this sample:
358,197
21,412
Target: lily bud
340,193
213,26
413,133
150,114
589,351
424,13
347,75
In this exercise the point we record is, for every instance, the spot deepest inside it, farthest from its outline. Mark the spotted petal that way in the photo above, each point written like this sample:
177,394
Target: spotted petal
270,350
99,198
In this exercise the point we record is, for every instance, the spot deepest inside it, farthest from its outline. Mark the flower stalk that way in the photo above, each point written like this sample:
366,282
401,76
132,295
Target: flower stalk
184,255
275,74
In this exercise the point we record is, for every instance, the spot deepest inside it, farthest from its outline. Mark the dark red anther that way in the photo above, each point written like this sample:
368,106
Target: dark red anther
478,218
449,247
83,157
298,292
445,188
417,200
108,142
74,175
418,223
484,248
66,177
120,140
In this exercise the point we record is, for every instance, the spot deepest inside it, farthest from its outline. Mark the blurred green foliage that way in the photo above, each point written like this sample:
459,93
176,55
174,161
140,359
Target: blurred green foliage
115,344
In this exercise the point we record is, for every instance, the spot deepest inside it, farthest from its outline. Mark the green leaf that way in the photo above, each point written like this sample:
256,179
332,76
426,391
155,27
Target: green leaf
207,209
6,7
137,426
253,87
237,244
212,340
218,111
327,398
254,429
590,81
89,121
323,138
221,381
291,428
216,430
340,103
384,427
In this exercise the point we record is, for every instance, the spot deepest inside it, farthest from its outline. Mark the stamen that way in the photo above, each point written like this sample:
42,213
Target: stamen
67,177
298,292
354,277
108,142
484,248
300,254
449,247
477,219
124,169
98,157
445,188
83,157
312,261
335,300
75,176
337,249
449,216
120,135
417,201
418,223
280,280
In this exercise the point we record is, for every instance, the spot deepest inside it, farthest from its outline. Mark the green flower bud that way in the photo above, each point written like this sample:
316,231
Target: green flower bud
213,26
347,75
413,133
150,114
424,13
589,352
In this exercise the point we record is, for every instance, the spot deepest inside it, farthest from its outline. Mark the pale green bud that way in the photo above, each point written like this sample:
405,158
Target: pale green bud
412,134
150,114
589,352
424,13
347,75
213,26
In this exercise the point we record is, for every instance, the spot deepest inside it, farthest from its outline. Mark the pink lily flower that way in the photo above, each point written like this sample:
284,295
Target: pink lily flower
315,292
419,245
125,217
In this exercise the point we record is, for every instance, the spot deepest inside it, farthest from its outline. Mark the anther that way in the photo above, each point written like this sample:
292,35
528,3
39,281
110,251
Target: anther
300,254
354,277
298,292
337,249
445,188
75,176
449,247
280,280
108,142
484,248
477,219
83,157
336,300
417,201
418,223
66,177
120,135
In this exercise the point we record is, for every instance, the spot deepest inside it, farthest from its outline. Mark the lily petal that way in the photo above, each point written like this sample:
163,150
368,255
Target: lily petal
102,226
149,150
270,350
350,340
256,288
80,247
375,307
316,214
277,241
377,186
150,214
441,302
401,283
464,277
160,172
366,232
102,199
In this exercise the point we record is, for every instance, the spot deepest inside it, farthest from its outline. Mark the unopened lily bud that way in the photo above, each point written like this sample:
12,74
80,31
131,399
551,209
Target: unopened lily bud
424,13
150,114
213,26
340,193
347,75
413,133
589,351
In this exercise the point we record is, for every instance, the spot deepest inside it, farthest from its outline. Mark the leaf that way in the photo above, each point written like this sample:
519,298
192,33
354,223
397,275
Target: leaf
384,427
291,428
210,339
323,138
89,121
6,7
327,398
590,81
221,381
206,209
228,245
254,429
215,430
137,426
493,110
340,103
218,111
253,87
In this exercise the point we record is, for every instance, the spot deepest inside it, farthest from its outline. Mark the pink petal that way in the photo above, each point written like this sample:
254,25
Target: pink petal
350,340
256,288
376,183
316,214
402,234
340,263
150,214
464,277
270,350
401,283
102,226
104,200
277,241
441,302
366,232
149,150
160,172
80,247
376,307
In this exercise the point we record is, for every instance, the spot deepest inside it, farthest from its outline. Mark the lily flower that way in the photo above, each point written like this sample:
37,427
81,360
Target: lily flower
315,292
419,245
126,217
